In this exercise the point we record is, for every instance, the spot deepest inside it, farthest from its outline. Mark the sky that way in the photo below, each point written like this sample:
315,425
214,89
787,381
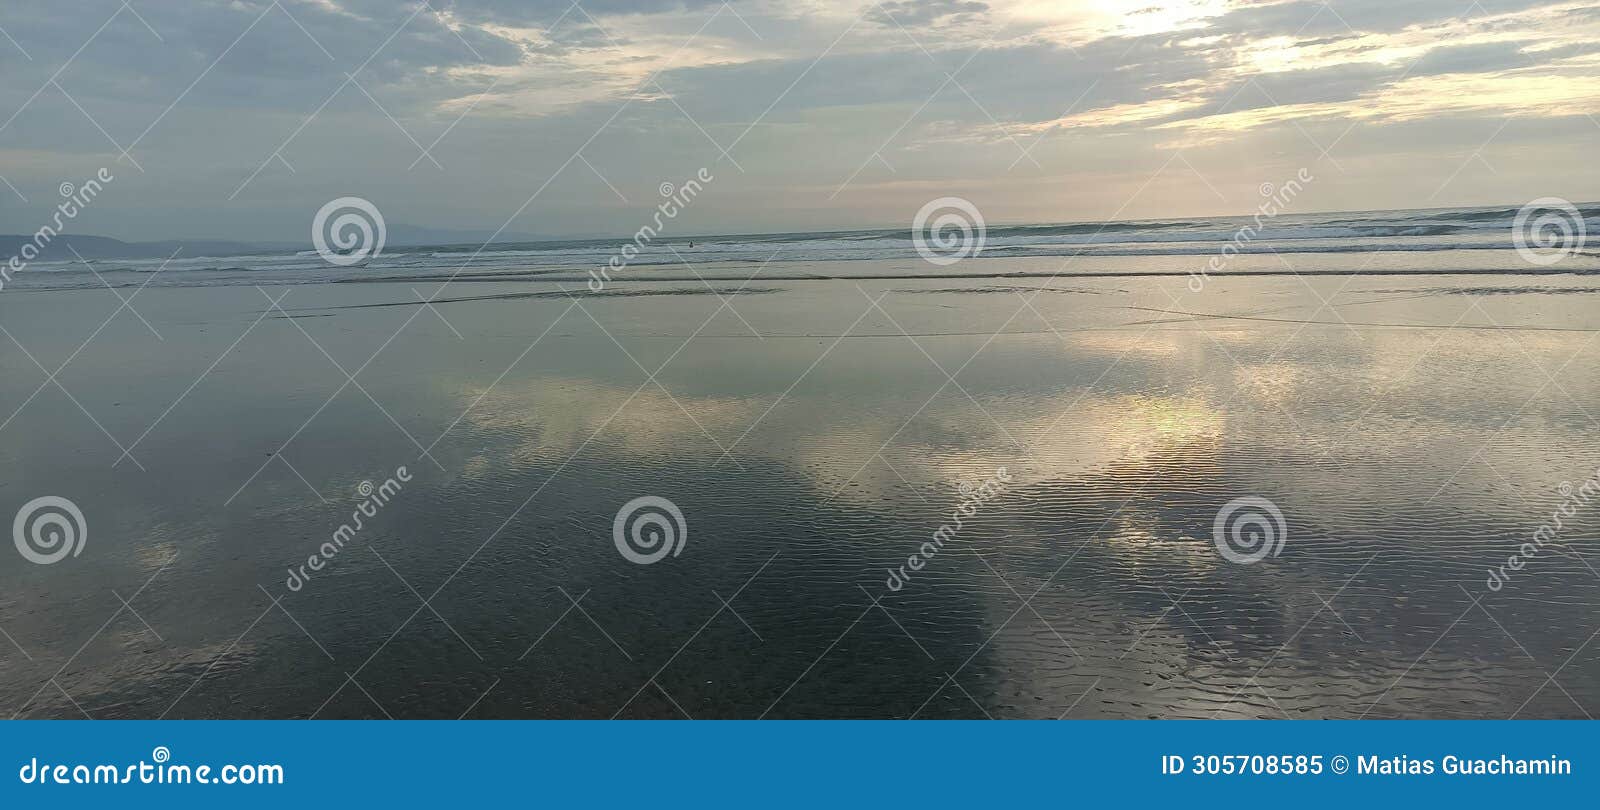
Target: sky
239,119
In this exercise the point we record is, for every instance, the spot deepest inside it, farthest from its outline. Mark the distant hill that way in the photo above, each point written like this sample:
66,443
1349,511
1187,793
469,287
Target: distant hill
60,249
104,247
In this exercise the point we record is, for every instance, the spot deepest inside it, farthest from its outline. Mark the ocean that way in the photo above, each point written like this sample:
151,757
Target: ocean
1451,240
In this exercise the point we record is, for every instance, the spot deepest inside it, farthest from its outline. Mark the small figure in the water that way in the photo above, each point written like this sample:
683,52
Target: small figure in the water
691,244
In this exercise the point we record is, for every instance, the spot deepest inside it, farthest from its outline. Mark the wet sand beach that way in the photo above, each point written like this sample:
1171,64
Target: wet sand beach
1413,431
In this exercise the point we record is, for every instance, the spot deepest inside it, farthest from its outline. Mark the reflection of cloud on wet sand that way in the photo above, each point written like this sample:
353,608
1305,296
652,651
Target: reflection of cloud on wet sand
1052,438
1288,409
548,418
951,441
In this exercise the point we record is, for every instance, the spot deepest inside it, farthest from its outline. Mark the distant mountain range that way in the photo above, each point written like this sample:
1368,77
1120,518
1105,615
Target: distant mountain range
62,247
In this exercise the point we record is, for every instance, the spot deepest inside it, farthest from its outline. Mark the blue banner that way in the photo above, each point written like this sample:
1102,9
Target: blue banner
794,764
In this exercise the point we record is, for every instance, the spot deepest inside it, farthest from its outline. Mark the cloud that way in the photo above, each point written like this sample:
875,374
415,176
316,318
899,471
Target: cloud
800,95
913,14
